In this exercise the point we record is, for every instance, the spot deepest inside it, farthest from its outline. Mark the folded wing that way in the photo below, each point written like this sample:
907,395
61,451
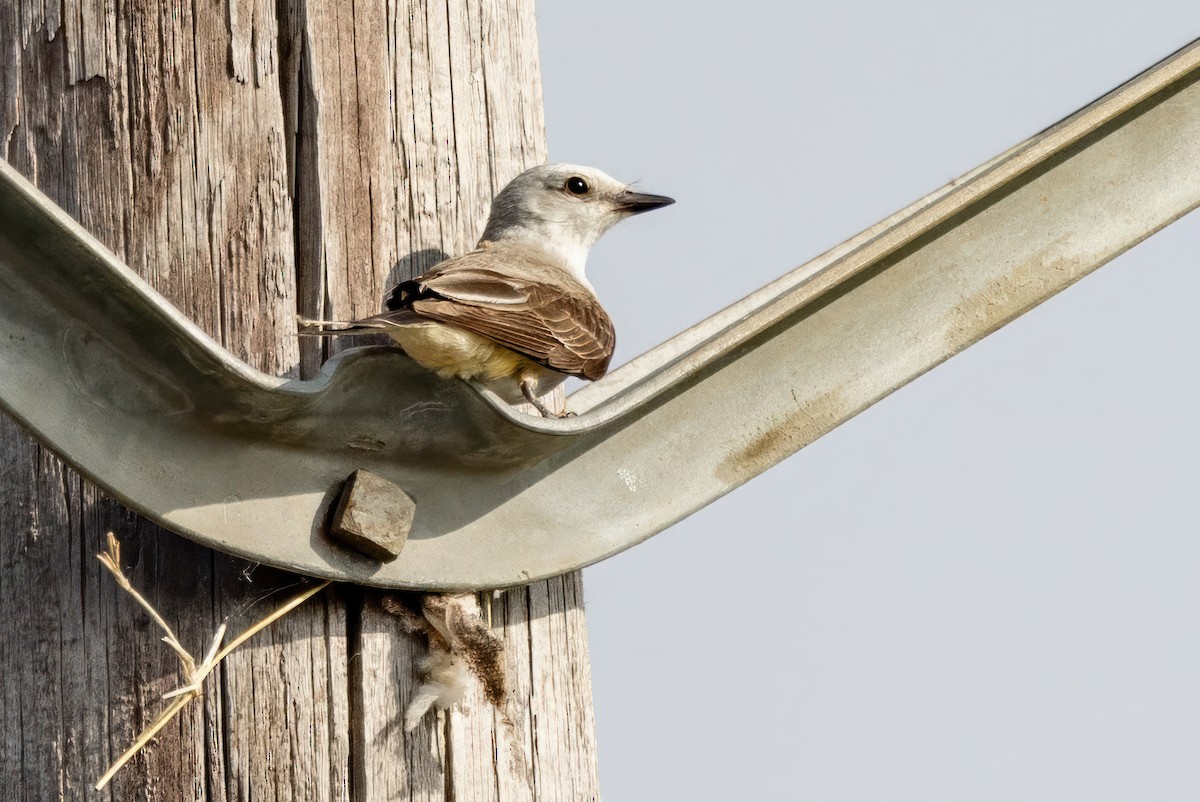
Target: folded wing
521,301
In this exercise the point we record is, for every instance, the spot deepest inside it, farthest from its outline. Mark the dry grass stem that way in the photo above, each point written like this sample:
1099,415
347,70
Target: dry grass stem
111,559
193,673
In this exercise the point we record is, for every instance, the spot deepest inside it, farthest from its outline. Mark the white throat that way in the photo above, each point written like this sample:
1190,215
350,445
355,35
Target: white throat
567,247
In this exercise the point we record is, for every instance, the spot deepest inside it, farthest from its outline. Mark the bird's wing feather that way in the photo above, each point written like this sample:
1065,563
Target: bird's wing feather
537,310
475,285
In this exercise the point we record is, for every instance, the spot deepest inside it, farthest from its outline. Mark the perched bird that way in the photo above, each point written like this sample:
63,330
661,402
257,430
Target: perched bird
517,313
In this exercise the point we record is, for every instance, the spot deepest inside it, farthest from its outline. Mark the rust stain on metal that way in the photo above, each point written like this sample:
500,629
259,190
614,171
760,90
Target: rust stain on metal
1007,297
366,443
785,436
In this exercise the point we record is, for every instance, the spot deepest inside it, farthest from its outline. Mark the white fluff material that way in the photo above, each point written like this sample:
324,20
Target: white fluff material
445,684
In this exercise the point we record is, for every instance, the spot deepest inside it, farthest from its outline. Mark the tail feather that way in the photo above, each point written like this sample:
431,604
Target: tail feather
333,328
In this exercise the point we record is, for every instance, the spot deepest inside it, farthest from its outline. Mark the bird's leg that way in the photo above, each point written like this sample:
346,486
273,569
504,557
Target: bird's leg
527,389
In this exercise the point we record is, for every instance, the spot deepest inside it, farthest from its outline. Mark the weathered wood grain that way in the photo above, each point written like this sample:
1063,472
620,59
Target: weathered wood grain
160,127
253,159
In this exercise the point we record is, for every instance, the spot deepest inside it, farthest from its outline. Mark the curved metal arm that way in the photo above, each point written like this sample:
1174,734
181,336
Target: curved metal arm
130,392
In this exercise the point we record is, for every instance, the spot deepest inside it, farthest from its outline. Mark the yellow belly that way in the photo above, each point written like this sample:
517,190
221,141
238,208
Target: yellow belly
450,351
453,352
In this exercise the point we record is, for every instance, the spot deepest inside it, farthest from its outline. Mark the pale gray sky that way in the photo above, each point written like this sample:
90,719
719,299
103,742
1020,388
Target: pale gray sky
987,586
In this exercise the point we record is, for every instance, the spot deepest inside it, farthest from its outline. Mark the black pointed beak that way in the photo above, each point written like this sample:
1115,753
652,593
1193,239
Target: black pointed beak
638,202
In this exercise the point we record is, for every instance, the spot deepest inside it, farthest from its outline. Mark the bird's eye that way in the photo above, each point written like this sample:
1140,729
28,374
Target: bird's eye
577,185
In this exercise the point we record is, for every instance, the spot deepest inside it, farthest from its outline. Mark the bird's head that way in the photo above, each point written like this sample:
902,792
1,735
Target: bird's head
564,208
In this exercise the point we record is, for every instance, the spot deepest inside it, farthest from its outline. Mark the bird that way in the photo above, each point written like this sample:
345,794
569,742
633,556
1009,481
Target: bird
517,314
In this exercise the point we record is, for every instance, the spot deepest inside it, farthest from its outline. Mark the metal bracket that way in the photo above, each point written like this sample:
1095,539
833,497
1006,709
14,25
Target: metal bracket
131,393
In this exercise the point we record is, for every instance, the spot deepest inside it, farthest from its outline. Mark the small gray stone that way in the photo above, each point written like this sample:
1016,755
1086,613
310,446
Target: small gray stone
373,516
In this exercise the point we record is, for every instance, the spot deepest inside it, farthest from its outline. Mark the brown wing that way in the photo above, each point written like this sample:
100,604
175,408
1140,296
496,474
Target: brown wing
525,304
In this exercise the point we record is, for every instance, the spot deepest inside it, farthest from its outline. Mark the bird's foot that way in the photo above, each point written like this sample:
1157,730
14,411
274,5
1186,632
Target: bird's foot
527,390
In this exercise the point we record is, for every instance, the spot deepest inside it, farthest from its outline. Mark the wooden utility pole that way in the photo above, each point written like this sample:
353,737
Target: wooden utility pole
251,160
